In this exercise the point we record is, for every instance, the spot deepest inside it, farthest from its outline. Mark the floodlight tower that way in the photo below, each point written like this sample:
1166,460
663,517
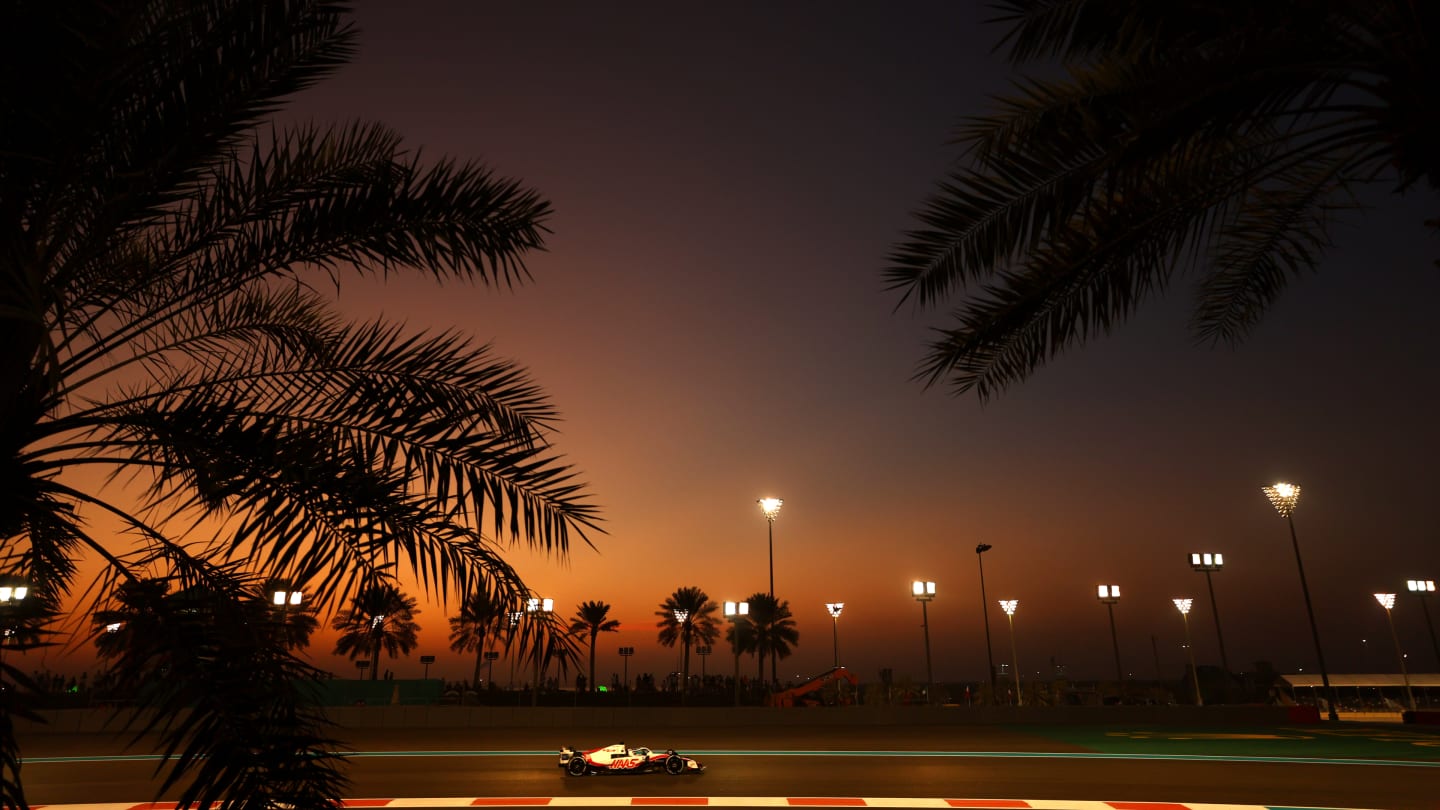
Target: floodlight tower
1423,588
1208,563
1009,605
1109,595
537,608
1387,601
734,613
9,595
985,613
834,608
1183,605
771,508
924,591
1284,497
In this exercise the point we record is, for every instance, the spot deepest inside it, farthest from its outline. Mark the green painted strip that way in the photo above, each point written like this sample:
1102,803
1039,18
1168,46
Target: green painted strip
98,758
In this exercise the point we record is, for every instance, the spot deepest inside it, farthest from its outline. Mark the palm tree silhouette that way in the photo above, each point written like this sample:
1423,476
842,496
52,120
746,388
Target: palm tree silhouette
131,613
160,323
543,638
592,619
294,623
1223,138
699,624
741,637
558,648
769,632
480,617
381,617
178,641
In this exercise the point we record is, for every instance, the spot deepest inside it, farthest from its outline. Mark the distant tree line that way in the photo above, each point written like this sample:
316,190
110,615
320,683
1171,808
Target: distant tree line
380,621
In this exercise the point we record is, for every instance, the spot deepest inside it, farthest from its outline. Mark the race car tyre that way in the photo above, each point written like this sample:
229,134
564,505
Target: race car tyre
674,765
576,766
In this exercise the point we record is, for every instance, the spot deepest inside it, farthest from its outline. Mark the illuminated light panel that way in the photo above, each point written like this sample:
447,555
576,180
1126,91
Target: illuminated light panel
1009,605
1283,497
1207,560
1183,605
834,609
1107,592
1420,585
771,507
1386,600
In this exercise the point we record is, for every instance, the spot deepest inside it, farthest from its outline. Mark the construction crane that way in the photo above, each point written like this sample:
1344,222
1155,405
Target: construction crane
816,691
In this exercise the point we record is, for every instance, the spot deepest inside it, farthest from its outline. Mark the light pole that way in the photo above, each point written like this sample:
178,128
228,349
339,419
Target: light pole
285,600
682,617
9,595
1183,605
515,617
1387,601
1208,563
734,612
1422,588
834,608
924,591
625,653
771,508
985,611
377,633
704,652
490,656
1109,595
1009,605
1284,497
536,608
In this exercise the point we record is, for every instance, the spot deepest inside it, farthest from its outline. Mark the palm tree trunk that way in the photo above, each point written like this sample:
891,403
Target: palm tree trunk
593,634
685,671
375,662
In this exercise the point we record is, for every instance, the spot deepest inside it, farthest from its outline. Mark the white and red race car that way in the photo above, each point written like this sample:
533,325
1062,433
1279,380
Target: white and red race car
620,758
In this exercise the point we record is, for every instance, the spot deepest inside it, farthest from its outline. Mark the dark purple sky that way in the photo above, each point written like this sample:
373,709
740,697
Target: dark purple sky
709,318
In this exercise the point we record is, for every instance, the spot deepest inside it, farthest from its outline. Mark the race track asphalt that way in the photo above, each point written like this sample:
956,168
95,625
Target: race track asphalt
1350,766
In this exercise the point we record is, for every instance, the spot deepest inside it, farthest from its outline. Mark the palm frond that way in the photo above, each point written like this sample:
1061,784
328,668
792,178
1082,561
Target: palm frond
236,712
164,102
1180,135
308,439
1279,234
312,198
982,218
157,322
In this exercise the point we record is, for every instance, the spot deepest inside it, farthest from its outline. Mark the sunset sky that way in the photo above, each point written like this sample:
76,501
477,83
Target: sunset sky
710,320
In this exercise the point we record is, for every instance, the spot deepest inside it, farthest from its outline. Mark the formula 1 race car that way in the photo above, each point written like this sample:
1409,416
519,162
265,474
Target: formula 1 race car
619,758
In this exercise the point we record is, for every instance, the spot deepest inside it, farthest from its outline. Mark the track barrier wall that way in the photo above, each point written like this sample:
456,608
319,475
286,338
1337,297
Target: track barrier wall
401,716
